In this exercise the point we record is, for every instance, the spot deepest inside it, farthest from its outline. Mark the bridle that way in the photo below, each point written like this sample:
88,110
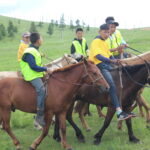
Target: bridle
138,83
86,74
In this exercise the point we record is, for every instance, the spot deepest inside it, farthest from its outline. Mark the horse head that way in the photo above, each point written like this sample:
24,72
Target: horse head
93,75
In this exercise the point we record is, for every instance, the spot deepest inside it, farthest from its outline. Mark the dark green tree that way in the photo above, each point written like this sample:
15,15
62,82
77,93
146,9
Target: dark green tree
62,22
83,24
88,28
71,25
40,24
78,23
62,25
33,27
10,29
2,30
56,23
52,22
50,29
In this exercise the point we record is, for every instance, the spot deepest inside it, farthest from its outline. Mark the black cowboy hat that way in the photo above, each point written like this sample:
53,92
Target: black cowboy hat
111,20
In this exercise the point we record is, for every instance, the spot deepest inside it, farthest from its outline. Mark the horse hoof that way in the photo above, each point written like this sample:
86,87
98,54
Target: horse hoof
96,142
81,140
69,149
88,130
134,140
57,138
30,148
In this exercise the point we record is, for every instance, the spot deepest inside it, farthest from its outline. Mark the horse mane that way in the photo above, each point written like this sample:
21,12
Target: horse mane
66,68
137,59
130,69
71,66
134,68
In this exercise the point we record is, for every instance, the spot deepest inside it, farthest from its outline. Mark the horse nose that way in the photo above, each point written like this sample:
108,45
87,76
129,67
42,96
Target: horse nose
107,89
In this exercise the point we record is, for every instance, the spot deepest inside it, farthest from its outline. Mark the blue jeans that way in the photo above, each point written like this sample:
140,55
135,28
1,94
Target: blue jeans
41,93
105,70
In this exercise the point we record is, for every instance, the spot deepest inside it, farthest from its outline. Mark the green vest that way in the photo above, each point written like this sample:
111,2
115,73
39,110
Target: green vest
80,49
114,41
27,72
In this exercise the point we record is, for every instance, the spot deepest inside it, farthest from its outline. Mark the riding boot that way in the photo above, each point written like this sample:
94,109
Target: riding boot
40,118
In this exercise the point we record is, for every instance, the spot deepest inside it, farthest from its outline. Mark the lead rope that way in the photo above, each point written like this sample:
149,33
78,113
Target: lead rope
121,85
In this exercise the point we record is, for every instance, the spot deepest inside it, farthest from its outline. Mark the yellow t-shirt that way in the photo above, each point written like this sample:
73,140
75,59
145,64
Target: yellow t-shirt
21,50
99,46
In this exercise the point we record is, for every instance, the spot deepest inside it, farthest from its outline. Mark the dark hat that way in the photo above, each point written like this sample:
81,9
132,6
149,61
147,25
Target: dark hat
111,20
104,27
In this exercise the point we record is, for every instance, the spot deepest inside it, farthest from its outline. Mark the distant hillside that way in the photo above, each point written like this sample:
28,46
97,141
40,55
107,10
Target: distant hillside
59,43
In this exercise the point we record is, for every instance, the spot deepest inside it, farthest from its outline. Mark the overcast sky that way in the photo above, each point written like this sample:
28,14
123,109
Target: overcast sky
129,13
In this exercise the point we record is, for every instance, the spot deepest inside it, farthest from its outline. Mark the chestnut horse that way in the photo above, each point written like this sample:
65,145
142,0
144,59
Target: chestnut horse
134,78
62,86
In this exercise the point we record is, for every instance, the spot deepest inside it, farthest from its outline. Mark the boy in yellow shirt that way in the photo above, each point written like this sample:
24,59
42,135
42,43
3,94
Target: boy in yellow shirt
102,57
23,45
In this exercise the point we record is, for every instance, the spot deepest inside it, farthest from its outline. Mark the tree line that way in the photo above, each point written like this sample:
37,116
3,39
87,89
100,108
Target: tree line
11,29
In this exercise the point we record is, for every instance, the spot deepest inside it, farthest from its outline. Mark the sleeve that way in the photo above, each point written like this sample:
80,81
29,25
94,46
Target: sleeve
20,52
112,57
72,49
29,58
103,59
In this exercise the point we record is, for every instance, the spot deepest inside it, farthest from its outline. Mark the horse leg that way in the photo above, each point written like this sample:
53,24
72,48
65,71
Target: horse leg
81,116
132,138
6,126
78,132
48,120
99,110
56,135
147,108
119,126
62,120
109,116
139,102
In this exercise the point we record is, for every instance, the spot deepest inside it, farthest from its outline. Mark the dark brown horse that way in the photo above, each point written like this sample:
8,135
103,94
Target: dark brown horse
134,78
62,86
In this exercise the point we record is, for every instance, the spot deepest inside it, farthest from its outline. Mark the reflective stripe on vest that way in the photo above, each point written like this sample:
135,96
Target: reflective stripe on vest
27,72
80,49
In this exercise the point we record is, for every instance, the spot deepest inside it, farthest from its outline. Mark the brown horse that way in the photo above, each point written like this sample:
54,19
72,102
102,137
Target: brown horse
62,86
134,78
82,107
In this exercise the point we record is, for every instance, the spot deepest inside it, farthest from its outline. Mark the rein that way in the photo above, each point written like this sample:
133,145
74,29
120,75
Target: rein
78,84
138,83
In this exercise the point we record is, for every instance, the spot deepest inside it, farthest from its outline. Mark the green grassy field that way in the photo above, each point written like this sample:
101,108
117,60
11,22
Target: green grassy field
54,47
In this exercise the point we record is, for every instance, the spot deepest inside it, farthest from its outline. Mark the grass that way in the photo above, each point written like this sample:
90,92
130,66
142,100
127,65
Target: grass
54,47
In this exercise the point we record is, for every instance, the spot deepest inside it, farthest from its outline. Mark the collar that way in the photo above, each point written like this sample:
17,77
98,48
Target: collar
77,39
32,45
99,37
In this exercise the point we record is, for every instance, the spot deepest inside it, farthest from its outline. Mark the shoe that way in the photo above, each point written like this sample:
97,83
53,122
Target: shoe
39,119
132,114
37,125
123,116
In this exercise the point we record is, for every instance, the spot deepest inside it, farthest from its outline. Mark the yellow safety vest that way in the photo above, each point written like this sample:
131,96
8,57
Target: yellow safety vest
114,41
27,72
80,49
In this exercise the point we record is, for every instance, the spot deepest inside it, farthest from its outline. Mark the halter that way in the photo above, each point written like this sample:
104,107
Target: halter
83,77
138,83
